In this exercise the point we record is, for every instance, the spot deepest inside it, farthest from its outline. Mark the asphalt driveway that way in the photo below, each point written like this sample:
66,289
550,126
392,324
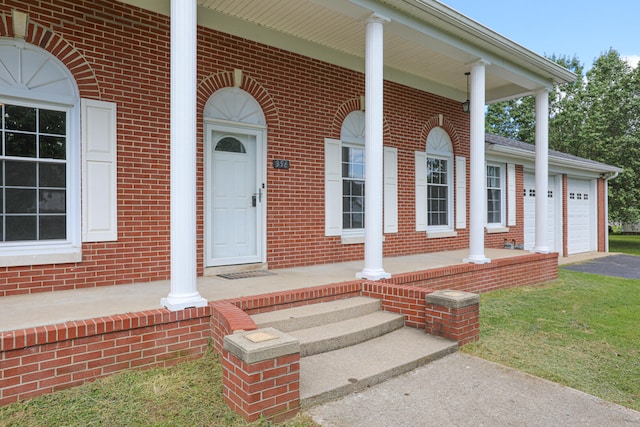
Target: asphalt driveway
627,266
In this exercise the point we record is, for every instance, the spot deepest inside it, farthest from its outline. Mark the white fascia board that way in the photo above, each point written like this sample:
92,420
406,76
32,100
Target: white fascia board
556,164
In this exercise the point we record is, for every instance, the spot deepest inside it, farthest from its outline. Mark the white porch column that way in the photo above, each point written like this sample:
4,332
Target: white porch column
478,181
184,292
374,66
542,170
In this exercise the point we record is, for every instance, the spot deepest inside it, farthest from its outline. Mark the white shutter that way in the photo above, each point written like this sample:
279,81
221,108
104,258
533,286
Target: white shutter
511,194
421,190
99,186
390,190
461,192
332,187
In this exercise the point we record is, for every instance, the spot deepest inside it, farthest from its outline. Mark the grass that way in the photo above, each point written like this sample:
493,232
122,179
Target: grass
626,243
189,394
580,330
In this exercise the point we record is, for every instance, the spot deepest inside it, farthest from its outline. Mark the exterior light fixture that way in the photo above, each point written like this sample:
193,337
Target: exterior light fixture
466,105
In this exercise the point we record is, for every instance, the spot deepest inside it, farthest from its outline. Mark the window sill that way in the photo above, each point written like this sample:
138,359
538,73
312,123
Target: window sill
39,256
354,240
496,230
440,234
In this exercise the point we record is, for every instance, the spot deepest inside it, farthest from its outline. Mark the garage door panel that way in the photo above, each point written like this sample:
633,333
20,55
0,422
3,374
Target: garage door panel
529,206
580,216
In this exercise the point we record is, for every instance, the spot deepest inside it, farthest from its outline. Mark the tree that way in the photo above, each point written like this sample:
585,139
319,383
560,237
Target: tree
597,117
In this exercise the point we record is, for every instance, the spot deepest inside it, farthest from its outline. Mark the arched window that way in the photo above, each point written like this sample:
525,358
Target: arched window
234,105
353,166
439,181
39,160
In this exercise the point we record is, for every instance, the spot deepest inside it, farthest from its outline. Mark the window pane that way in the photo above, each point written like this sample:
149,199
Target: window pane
53,175
357,221
230,145
52,147
53,122
20,228
53,227
53,201
20,144
20,118
20,174
20,200
346,221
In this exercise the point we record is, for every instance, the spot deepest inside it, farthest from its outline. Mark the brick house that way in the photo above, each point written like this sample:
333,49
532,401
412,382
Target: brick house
97,74
139,148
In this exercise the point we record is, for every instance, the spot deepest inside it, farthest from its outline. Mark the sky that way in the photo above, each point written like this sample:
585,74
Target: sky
582,28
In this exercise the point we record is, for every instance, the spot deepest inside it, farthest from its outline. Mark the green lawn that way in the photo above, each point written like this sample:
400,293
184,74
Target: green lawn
582,330
189,394
629,244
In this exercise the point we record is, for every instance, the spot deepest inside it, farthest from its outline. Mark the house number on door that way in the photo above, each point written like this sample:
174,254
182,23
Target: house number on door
281,164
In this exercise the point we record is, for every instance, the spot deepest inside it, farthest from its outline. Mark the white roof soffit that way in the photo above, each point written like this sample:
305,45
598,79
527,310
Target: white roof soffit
427,45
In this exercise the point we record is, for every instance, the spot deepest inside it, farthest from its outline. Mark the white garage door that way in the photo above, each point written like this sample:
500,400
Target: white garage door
530,212
581,227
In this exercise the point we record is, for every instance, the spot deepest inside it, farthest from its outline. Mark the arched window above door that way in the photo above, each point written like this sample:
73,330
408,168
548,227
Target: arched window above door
234,105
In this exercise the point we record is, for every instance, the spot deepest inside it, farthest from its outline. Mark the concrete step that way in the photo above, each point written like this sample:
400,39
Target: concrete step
327,376
344,333
312,315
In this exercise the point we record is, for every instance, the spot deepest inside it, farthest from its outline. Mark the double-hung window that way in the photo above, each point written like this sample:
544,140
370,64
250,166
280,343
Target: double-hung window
438,189
495,196
40,161
353,188
33,182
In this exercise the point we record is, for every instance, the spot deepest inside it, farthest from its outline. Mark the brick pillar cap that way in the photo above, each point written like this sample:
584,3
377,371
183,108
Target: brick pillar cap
262,344
452,299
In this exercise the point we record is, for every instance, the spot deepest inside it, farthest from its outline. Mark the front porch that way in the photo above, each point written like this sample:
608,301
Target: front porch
55,340
49,308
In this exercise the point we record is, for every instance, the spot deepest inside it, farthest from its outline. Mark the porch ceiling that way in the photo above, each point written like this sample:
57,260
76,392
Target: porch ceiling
427,45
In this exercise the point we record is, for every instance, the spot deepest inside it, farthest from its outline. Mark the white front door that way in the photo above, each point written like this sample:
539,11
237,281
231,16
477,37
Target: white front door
234,195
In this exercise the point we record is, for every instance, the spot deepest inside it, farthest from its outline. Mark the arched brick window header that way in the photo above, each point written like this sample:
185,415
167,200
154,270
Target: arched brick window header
353,104
55,44
225,79
441,121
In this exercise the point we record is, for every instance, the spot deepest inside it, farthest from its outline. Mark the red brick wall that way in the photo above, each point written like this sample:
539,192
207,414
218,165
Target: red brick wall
45,359
121,54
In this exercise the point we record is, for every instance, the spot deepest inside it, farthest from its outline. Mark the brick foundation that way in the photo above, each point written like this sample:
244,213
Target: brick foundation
45,359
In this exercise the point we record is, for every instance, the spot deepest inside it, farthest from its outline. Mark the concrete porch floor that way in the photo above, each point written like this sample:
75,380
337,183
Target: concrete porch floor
39,309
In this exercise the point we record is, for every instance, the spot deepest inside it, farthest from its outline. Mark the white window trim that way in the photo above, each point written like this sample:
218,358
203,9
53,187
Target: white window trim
53,252
443,230
497,227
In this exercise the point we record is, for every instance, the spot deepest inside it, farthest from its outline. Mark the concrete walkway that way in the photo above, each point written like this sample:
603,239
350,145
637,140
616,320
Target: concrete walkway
462,390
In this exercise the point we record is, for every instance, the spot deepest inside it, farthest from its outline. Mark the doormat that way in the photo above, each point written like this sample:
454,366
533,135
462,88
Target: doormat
246,274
